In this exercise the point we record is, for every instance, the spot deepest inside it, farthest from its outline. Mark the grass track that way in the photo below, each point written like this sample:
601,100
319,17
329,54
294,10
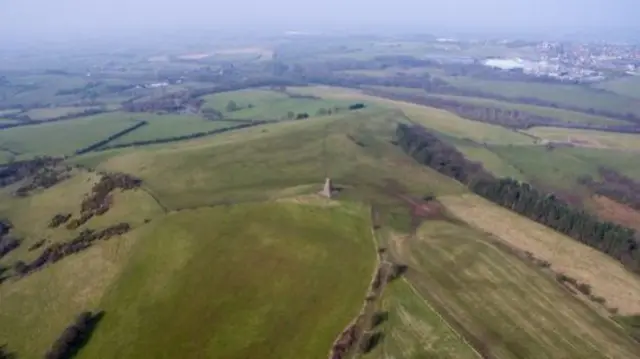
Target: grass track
415,330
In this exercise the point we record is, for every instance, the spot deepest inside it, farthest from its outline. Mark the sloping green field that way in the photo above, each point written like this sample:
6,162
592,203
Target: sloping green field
167,126
429,117
249,281
626,86
581,97
64,137
257,163
570,117
248,262
267,105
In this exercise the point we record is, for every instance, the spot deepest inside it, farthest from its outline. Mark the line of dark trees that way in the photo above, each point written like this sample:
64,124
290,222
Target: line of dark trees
113,137
7,243
100,200
46,177
57,251
615,186
183,137
617,241
16,171
59,219
514,119
26,121
75,336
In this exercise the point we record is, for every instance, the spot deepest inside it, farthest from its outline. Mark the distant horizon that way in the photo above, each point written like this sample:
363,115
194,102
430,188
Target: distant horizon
41,19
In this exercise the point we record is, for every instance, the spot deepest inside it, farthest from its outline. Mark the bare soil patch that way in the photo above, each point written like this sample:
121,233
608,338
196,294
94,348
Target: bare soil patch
584,141
610,210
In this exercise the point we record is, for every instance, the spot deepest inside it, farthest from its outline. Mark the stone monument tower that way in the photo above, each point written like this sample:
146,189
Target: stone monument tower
327,191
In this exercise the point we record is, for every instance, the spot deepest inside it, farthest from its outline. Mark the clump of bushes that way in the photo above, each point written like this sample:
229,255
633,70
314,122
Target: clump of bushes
8,244
356,106
5,354
397,270
57,251
59,219
100,200
37,245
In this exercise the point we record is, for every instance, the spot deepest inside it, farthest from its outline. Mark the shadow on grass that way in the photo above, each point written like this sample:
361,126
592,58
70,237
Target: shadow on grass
75,337
372,341
379,318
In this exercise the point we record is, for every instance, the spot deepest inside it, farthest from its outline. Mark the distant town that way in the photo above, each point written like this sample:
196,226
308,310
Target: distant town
573,61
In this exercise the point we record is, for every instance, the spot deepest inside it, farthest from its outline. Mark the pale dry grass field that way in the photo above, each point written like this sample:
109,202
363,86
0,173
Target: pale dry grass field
439,120
613,211
504,307
608,278
588,138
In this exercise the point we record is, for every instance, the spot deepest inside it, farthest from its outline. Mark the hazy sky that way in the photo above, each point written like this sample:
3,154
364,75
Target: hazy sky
69,16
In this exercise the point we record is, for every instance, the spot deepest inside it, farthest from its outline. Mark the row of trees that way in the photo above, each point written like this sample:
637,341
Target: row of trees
615,240
100,199
75,336
428,149
114,136
25,120
46,177
183,137
59,219
615,186
57,251
17,171
7,242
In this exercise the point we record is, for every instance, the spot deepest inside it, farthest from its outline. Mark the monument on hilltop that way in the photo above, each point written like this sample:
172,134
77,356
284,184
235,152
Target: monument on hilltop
328,189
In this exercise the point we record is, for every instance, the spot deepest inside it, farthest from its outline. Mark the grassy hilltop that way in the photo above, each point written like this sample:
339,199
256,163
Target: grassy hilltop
233,254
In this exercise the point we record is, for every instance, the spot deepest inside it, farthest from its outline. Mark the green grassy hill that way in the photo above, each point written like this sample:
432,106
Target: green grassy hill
234,255
267,105
64,137
258,163
273,280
